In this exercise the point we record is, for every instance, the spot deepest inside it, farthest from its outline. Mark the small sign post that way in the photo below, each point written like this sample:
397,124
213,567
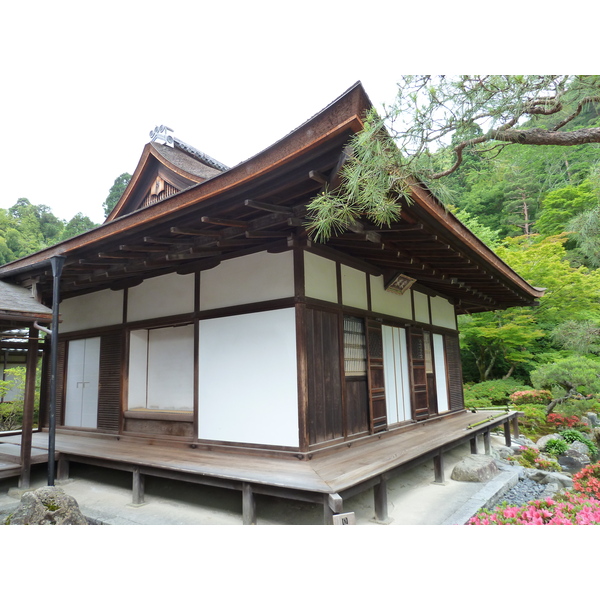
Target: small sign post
344,519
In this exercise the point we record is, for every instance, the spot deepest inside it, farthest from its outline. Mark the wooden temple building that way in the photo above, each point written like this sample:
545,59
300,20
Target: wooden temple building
205,337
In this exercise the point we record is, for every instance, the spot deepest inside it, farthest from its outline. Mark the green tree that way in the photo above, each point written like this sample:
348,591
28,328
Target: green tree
115,193
77,225
571,292
498,342
562,205
409,140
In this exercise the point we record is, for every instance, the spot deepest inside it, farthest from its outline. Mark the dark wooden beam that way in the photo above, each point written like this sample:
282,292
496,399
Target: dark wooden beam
266,234
192,253
189,231
225,222
274,208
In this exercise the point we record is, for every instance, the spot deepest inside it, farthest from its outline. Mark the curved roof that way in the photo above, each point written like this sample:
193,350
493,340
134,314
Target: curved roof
261,204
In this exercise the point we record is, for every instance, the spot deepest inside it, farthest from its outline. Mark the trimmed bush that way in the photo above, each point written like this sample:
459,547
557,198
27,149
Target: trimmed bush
542,397
495,392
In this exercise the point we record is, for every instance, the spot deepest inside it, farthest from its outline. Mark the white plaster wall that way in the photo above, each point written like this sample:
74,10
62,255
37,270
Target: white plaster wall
421,307
161,296
92,310
253,278
354,287
320,279
442,313
440,373
388,303
248,389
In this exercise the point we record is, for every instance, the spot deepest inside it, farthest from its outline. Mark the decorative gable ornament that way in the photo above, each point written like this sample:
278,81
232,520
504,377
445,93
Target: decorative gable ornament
161,135
399,284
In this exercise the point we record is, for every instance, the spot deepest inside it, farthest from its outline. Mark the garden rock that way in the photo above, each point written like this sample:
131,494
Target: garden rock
476,468
557,480
573,461
522,441
593,419
541,443
503,452
580,447
47,506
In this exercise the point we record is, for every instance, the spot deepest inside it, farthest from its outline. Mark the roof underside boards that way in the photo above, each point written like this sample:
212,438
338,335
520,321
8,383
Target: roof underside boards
261,204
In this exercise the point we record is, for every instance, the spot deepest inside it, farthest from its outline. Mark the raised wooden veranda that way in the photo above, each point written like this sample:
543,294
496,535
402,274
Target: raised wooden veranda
327,478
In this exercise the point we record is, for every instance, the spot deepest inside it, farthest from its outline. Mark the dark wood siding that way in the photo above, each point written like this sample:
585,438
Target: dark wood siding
378,411
418,373
109,395
357,405
60,386
455,387
325,416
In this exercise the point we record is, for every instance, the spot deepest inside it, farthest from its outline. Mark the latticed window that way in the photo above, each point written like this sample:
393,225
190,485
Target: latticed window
355,346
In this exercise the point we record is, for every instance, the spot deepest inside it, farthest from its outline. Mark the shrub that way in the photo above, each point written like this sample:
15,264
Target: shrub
572,435
556,447
542,397
578,406
530,458
532,419
587,481
571,509
495,392
559,420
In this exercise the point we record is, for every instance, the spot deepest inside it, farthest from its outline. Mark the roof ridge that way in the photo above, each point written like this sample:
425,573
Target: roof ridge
197,154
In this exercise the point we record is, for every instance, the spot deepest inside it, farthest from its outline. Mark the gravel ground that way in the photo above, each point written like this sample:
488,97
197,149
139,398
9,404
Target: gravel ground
523,492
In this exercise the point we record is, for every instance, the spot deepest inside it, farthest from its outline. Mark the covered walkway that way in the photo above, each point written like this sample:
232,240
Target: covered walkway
327,478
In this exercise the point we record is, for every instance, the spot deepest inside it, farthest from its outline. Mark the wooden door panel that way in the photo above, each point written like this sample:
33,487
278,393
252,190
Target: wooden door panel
377,402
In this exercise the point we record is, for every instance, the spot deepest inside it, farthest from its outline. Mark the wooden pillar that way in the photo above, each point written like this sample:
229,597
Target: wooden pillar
473,442
507,433
248,505
29,400
515,423
138,486
438,468
62,471
486,442
327,512
380,496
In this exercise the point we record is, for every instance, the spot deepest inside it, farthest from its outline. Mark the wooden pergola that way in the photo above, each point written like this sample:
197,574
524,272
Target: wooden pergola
21,319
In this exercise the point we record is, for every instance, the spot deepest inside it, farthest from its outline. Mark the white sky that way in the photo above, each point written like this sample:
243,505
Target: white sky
83,83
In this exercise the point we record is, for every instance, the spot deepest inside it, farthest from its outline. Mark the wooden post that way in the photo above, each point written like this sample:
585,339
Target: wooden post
248,505
62,471
29,399
486,442
327,512
473,442
138,486
380,497
515,423
507,433
438,467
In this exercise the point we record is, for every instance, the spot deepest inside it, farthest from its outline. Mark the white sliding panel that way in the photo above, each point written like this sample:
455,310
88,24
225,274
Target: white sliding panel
171,368
395,369
83,374
440,372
